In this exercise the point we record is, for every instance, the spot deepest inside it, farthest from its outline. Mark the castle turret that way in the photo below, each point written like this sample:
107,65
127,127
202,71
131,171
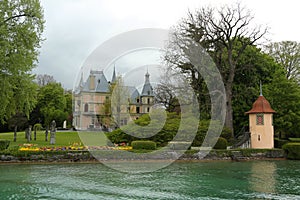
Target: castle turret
114,78
261,124
147,96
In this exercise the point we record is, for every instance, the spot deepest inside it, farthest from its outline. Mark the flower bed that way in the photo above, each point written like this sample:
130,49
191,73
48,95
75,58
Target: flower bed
73,147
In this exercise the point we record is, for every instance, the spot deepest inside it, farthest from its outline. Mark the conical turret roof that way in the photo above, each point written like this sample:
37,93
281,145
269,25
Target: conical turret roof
261,105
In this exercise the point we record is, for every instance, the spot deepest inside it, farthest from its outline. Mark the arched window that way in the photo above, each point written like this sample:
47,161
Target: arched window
86,107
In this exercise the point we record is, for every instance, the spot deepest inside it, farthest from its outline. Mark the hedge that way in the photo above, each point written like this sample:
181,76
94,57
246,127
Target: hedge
278,143
292,150
221,143
4,144
294,139
141,144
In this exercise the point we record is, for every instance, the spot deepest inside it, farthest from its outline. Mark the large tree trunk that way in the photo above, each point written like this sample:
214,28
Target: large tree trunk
228,88
229,113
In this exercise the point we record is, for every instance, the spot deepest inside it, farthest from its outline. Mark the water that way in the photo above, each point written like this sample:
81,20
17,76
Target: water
181,180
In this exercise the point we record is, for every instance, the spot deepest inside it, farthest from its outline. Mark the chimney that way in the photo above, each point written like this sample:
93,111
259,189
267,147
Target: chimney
92,82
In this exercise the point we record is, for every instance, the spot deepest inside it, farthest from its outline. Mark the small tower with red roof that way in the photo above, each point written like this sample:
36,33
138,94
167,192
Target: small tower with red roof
261,123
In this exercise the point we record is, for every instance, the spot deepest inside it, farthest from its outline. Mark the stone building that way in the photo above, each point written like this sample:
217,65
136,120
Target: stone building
93,106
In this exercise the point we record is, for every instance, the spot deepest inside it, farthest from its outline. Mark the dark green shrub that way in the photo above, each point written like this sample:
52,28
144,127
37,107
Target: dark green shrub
292,150
226,133
4,144
141,144
278,143
221,143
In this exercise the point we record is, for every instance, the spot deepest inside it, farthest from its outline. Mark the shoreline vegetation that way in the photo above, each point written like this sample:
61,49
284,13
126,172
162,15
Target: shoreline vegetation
70,149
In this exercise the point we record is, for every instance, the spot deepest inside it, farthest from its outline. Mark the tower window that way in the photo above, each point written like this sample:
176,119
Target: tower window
260,119
258,137
148,100
148,109
138,100
137,109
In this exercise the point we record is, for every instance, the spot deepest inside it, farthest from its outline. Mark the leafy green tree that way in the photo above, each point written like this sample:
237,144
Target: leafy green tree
287,54
21,27
52,103
253,67
284,96
69,106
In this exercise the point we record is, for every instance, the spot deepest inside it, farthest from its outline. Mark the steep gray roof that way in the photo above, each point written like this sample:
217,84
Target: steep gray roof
134,93
147,88
100,82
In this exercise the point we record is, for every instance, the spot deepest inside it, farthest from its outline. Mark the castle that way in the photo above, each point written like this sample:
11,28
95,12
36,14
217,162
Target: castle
93,107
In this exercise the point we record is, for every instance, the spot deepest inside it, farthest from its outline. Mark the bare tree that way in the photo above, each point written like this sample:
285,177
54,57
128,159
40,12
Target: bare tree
44,79
224,33
173,91
287,54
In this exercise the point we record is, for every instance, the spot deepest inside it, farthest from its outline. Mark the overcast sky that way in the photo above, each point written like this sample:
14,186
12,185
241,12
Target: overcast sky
74,28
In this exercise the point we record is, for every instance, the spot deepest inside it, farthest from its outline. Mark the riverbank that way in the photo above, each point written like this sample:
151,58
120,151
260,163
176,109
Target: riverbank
190,155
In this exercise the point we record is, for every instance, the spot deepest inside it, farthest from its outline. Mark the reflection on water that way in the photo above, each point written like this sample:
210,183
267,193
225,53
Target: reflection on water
183,180
262,177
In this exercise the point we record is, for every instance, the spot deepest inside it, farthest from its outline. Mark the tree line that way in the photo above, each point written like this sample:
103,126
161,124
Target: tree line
228,34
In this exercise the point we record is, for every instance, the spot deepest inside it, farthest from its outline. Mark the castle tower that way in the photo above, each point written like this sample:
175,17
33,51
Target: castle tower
261,124
114,78
147,96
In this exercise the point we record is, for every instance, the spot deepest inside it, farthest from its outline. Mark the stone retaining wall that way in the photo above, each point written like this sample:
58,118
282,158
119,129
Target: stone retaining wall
85,156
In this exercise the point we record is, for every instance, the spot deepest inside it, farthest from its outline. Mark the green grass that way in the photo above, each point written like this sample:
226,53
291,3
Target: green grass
62,139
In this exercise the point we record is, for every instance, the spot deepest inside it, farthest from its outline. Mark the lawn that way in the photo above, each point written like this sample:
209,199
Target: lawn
62,139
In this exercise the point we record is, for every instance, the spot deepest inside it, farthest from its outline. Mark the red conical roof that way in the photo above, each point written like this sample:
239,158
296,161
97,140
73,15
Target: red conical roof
261,105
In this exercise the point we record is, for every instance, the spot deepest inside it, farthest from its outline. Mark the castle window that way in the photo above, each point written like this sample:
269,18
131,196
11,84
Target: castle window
258,138
148,100
98,80
137,109
260,119
86,107
148,109
137,100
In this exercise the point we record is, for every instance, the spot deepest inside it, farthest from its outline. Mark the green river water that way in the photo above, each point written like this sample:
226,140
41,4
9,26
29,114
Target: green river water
181,180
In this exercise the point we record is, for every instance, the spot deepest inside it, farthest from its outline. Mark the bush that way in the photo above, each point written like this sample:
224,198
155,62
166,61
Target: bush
278,143
4,144
38,127
292,150
294,139
140,144
221,143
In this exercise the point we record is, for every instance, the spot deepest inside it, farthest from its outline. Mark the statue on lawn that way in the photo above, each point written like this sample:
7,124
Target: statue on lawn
52,132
